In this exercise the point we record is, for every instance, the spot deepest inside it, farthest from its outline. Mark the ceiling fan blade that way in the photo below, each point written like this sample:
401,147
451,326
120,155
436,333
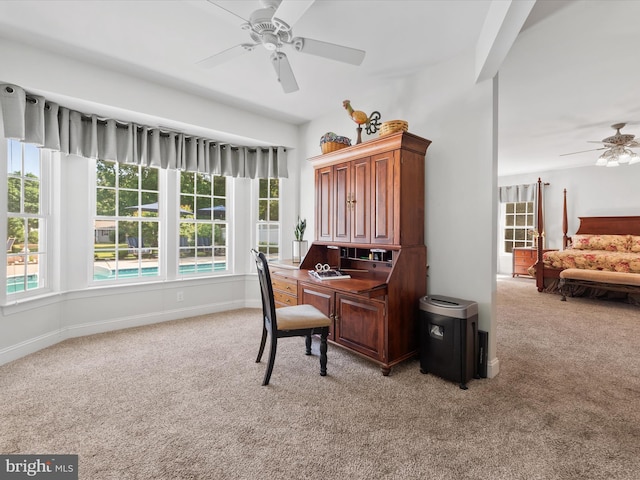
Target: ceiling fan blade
583,151
329,50
225,55
290,11
230,16
283,70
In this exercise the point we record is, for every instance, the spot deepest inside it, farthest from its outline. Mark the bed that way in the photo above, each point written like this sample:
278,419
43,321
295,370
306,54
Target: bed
603,256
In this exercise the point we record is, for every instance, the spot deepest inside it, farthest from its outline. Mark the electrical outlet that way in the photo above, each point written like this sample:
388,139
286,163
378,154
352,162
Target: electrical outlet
180,297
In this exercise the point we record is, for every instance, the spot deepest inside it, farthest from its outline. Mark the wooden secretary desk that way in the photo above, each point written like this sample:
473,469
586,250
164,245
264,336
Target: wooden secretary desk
370,224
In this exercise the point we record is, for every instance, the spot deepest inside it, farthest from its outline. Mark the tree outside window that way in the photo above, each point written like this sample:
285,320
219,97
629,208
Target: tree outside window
26,222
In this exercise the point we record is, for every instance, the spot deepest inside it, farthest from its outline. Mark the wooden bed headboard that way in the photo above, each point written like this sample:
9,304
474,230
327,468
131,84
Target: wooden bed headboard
627,225
609,225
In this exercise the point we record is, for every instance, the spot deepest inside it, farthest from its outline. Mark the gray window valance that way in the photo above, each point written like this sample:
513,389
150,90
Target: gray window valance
32,119
518,193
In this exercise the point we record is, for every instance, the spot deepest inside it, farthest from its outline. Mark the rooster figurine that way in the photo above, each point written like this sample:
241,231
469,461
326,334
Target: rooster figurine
357,116
361,118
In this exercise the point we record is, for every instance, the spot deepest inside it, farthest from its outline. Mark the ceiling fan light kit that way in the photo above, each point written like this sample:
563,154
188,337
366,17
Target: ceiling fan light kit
270,27
617,149
616,156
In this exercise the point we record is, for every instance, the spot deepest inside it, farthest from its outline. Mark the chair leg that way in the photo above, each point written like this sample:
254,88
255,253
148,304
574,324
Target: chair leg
262,343
272,358
307,344
323,351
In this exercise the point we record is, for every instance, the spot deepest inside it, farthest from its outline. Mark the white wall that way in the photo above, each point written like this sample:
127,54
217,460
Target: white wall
591,191
105,90
77,310
444,105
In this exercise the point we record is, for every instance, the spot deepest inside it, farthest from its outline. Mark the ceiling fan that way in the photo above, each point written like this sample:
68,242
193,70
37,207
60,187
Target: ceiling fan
270,26
617,148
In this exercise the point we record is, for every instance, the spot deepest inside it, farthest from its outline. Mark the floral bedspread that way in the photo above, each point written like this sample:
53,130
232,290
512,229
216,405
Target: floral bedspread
611,261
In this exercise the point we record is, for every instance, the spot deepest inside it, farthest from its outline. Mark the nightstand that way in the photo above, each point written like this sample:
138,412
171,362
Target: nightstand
523,258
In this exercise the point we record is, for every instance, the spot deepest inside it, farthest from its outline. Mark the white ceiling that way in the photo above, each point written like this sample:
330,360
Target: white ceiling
566,80
164,40
570,75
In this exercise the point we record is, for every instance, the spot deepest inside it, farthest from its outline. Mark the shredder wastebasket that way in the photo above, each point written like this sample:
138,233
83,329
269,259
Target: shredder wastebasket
448,337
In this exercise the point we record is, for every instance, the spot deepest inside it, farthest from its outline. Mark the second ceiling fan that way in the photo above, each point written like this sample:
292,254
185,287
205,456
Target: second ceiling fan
617,148
271,27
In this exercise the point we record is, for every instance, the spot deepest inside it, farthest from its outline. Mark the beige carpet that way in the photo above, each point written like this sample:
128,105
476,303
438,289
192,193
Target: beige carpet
183,400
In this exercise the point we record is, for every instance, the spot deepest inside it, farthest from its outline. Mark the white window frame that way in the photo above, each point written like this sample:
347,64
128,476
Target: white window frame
200,221
528,228
159,251
261,223
45,226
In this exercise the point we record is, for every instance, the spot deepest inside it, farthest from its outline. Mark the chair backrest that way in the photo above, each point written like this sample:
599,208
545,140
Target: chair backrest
268,304
133,242
10,242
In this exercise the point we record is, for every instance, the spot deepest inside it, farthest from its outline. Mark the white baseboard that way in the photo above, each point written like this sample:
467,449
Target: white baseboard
493,367
32,345
91,328
22,349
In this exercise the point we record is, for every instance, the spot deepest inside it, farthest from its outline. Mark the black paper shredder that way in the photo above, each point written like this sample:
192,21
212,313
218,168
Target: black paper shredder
448,329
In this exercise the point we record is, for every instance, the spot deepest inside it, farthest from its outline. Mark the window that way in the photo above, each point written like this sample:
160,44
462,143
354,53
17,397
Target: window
127,222
518,225
203,224
26,219
268,227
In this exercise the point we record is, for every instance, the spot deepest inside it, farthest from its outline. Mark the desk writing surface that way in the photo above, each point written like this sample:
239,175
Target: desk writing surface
349,285
288,264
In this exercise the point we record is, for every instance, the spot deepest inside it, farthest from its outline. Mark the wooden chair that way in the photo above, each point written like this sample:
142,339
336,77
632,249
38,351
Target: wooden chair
294,321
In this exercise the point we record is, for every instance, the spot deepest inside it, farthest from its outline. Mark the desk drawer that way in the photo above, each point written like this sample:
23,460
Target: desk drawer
284,299
284,285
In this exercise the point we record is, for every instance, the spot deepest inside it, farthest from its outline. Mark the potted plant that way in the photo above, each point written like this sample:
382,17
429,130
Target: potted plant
300,246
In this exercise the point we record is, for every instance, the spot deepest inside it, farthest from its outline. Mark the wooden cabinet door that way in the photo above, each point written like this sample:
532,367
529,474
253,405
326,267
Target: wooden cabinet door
359,201
320,297
342,195
352,201
382,198
360,325
324,204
